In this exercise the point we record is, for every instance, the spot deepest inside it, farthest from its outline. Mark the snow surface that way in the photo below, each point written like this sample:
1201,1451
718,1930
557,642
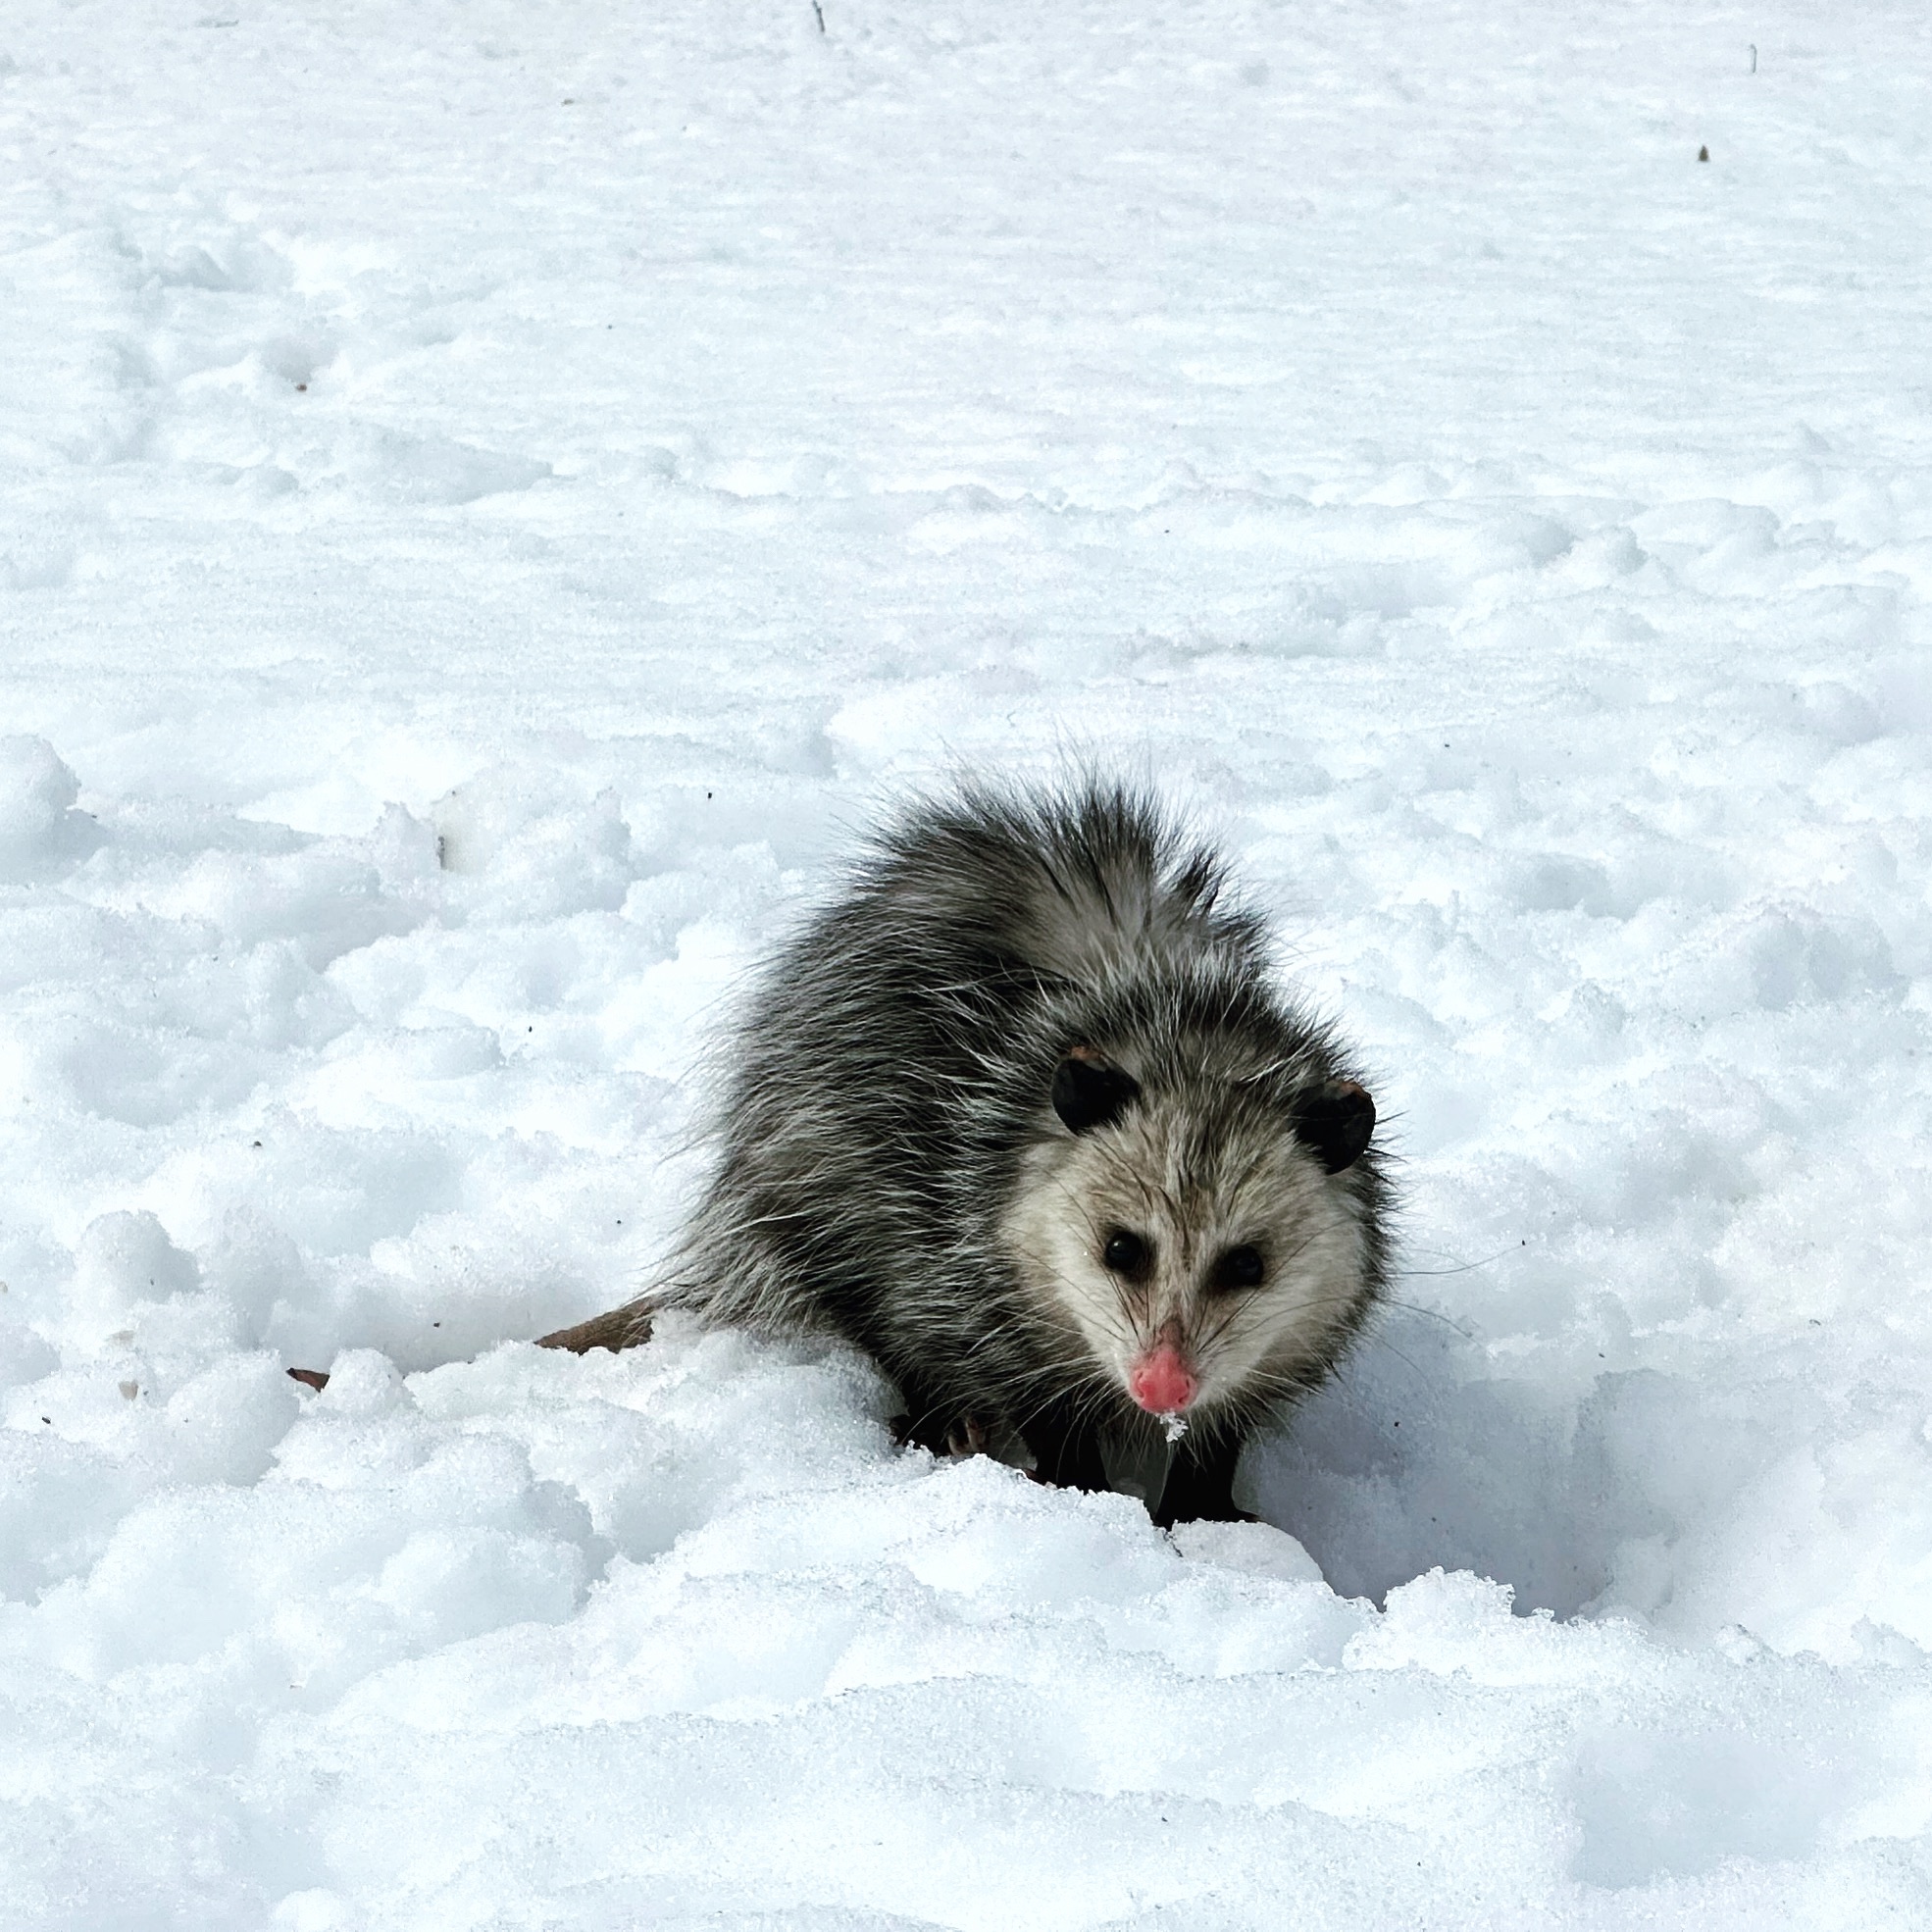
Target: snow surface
615,449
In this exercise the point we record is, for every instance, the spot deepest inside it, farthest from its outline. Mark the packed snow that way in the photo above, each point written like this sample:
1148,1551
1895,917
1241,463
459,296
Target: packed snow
494,498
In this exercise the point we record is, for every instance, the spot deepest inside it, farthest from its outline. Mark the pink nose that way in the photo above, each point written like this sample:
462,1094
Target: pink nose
1161,1382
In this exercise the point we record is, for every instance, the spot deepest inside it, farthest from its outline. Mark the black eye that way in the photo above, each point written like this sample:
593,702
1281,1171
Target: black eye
1126,1253
1239,1267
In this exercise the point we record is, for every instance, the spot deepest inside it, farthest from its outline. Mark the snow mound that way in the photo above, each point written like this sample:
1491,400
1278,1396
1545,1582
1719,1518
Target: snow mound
39,827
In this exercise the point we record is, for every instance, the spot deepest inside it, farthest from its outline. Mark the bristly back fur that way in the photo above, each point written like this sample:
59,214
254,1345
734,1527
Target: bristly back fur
1021,1113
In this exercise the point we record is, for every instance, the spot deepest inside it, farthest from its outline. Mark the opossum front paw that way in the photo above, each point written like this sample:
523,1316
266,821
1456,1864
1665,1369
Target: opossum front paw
962,1436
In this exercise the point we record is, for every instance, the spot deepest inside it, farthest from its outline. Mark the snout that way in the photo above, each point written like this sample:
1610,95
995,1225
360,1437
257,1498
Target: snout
1161,1381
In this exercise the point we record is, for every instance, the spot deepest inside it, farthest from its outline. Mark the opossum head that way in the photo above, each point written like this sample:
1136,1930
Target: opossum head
1202,1236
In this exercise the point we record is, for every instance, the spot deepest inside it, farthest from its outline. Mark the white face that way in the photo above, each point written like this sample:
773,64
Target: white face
1191,1265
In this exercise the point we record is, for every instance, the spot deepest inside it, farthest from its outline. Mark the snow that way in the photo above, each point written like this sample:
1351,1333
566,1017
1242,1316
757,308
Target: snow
493,498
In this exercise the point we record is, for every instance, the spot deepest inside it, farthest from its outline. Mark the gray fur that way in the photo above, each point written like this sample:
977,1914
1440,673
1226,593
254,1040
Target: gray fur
893,1169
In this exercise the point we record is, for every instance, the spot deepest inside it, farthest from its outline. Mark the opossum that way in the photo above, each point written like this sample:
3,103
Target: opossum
1022,1114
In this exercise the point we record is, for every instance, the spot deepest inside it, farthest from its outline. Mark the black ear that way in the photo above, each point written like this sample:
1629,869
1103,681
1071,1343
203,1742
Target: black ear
1334,1122
1088,1095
